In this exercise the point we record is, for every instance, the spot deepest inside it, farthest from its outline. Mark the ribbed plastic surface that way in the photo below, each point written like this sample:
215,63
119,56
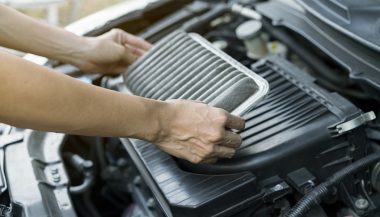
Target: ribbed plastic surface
290,127
287,131
286,108
186,66
187,194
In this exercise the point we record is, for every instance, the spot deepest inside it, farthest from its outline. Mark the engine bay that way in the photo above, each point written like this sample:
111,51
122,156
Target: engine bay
310,147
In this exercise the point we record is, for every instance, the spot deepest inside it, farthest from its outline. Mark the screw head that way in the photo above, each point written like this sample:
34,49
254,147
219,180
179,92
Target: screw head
361,203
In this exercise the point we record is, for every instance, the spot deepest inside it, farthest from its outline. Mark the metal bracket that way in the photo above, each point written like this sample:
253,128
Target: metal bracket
354,123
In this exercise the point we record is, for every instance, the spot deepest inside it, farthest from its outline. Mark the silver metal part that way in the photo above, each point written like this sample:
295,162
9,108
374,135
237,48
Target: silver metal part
361,204
245,12
354,123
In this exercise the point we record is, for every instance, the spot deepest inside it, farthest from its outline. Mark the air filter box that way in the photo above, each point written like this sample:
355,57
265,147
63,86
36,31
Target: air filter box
294,130
297,125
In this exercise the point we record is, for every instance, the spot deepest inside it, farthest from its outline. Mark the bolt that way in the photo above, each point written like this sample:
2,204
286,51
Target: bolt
278,187
308,187
150,203
361,204
311,183
137,180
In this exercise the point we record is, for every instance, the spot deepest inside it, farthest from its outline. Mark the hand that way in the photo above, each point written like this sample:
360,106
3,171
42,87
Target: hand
112,52
199,133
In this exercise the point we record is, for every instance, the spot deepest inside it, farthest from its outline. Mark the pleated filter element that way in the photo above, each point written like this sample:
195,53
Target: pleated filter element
186,66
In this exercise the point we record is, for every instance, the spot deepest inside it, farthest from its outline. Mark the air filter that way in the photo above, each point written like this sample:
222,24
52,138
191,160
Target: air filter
186,66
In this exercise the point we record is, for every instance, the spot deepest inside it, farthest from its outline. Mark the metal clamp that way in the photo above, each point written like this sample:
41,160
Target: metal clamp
246,12
354,123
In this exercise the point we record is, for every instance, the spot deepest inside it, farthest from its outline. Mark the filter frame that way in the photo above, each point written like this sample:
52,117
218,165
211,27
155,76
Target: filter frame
261,85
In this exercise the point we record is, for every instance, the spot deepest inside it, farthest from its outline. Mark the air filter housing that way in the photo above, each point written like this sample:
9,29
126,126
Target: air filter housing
186,66
292,131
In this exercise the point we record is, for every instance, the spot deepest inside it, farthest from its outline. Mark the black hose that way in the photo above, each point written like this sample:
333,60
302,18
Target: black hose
315,197
200,23
325,75
311,59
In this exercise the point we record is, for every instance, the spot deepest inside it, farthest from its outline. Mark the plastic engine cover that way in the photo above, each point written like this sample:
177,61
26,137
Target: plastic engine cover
292,128
294,124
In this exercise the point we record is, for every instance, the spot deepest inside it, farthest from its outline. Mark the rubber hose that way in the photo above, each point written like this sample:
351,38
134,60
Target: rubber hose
311,59
315,197
198,24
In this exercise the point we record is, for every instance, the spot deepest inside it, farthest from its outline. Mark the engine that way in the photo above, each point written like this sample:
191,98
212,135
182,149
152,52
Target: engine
309,147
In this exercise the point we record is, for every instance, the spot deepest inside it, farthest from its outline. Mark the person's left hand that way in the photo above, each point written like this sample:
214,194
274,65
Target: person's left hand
112,52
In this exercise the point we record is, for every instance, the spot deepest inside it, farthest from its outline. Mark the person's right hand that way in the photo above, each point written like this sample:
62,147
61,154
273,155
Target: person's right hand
111,53
197,132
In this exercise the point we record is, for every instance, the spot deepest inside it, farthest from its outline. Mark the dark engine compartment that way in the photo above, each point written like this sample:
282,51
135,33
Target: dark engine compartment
317,119
302,134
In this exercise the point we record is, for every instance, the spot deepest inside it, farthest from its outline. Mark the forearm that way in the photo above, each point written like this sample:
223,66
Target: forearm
23,33
36,97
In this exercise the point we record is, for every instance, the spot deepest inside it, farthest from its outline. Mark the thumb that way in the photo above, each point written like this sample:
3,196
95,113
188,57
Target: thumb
132,40
125,58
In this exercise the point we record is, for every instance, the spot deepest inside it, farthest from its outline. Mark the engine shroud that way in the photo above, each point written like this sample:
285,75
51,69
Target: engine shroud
291,129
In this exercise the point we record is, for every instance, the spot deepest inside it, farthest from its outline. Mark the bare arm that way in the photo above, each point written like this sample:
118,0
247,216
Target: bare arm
36,97
26,34
109,53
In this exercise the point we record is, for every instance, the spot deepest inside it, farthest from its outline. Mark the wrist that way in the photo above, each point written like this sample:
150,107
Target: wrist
77,52
157,118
